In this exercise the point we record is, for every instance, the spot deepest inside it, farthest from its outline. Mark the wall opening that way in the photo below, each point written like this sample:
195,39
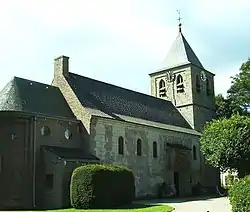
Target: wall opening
179,84
154,149
209,90
194,153
139,147
120,145
49,181
198,83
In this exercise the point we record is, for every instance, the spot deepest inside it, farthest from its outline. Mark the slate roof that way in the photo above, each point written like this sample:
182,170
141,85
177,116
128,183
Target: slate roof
29,96
70,153
180,53
108,100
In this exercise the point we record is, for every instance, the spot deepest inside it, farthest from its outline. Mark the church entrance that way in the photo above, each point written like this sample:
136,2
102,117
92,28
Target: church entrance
176,183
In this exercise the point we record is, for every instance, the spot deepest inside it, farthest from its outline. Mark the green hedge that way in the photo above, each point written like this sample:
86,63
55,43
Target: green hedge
239,195
101,186
230,179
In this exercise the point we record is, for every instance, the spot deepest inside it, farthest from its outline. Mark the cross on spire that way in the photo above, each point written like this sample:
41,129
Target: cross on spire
179,19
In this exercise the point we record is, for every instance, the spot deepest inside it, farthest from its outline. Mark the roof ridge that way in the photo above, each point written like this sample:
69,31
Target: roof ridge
109,84
33,81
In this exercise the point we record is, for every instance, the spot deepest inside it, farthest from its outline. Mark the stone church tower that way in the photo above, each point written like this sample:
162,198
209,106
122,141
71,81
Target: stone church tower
182,79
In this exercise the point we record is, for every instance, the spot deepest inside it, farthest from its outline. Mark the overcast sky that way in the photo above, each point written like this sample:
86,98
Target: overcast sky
120,41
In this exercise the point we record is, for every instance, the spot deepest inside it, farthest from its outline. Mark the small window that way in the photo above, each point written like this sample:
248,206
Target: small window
120,145
194,153
68,134
49,181
198,83
154,149
139,147
162,88
45,131
179,84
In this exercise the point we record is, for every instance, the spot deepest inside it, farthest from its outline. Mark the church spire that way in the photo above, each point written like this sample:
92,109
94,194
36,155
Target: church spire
179,19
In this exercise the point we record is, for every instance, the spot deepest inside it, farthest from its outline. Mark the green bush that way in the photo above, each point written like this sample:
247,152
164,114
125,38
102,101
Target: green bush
101,186
239,195
230,179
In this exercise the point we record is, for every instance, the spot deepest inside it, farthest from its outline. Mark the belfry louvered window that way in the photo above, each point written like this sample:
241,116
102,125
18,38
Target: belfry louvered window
162,88
209,90
198,83
179,84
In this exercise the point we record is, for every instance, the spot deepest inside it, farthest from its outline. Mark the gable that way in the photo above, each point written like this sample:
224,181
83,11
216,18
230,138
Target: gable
113,101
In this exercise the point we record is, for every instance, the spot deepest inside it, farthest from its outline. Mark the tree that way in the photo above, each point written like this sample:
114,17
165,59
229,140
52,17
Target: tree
239,92
238,95
225,108
226,144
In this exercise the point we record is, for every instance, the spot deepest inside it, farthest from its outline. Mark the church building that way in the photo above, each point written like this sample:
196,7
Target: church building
49,130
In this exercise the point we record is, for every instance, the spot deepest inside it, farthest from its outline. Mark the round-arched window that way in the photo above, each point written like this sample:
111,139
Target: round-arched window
68,134
45,131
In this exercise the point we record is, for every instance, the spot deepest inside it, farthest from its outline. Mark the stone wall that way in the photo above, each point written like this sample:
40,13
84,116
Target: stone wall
148,171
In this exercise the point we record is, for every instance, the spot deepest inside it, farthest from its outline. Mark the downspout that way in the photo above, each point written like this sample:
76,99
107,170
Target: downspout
34,163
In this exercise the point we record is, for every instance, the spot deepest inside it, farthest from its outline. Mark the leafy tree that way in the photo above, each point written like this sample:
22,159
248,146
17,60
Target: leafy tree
239,92
226,144
225,108
238,95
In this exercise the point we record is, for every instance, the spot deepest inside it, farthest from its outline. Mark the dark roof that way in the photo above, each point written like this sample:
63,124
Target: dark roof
29,96
70,153
180,53
106,99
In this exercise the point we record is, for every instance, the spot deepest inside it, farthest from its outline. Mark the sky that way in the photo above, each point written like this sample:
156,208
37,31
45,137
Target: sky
120,41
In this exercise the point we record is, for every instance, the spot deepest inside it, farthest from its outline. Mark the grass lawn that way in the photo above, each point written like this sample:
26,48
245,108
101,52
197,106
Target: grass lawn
133,208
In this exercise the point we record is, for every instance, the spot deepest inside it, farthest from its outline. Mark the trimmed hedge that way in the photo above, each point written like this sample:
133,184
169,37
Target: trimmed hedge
101,186
239,195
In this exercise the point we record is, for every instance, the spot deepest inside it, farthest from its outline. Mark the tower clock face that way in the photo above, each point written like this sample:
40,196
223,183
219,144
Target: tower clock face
203,76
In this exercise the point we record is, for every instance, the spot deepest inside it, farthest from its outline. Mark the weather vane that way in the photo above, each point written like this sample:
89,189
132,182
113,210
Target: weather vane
179,19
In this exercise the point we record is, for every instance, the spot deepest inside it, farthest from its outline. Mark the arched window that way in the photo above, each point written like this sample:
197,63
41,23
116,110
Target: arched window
179,79
194,153
162,84
162,88
154,149
138,147
120,145
208,87
198,83
179,84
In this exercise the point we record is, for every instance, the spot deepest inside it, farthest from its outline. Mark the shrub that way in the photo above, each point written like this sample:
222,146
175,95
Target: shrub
101,186
230,179
239,195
